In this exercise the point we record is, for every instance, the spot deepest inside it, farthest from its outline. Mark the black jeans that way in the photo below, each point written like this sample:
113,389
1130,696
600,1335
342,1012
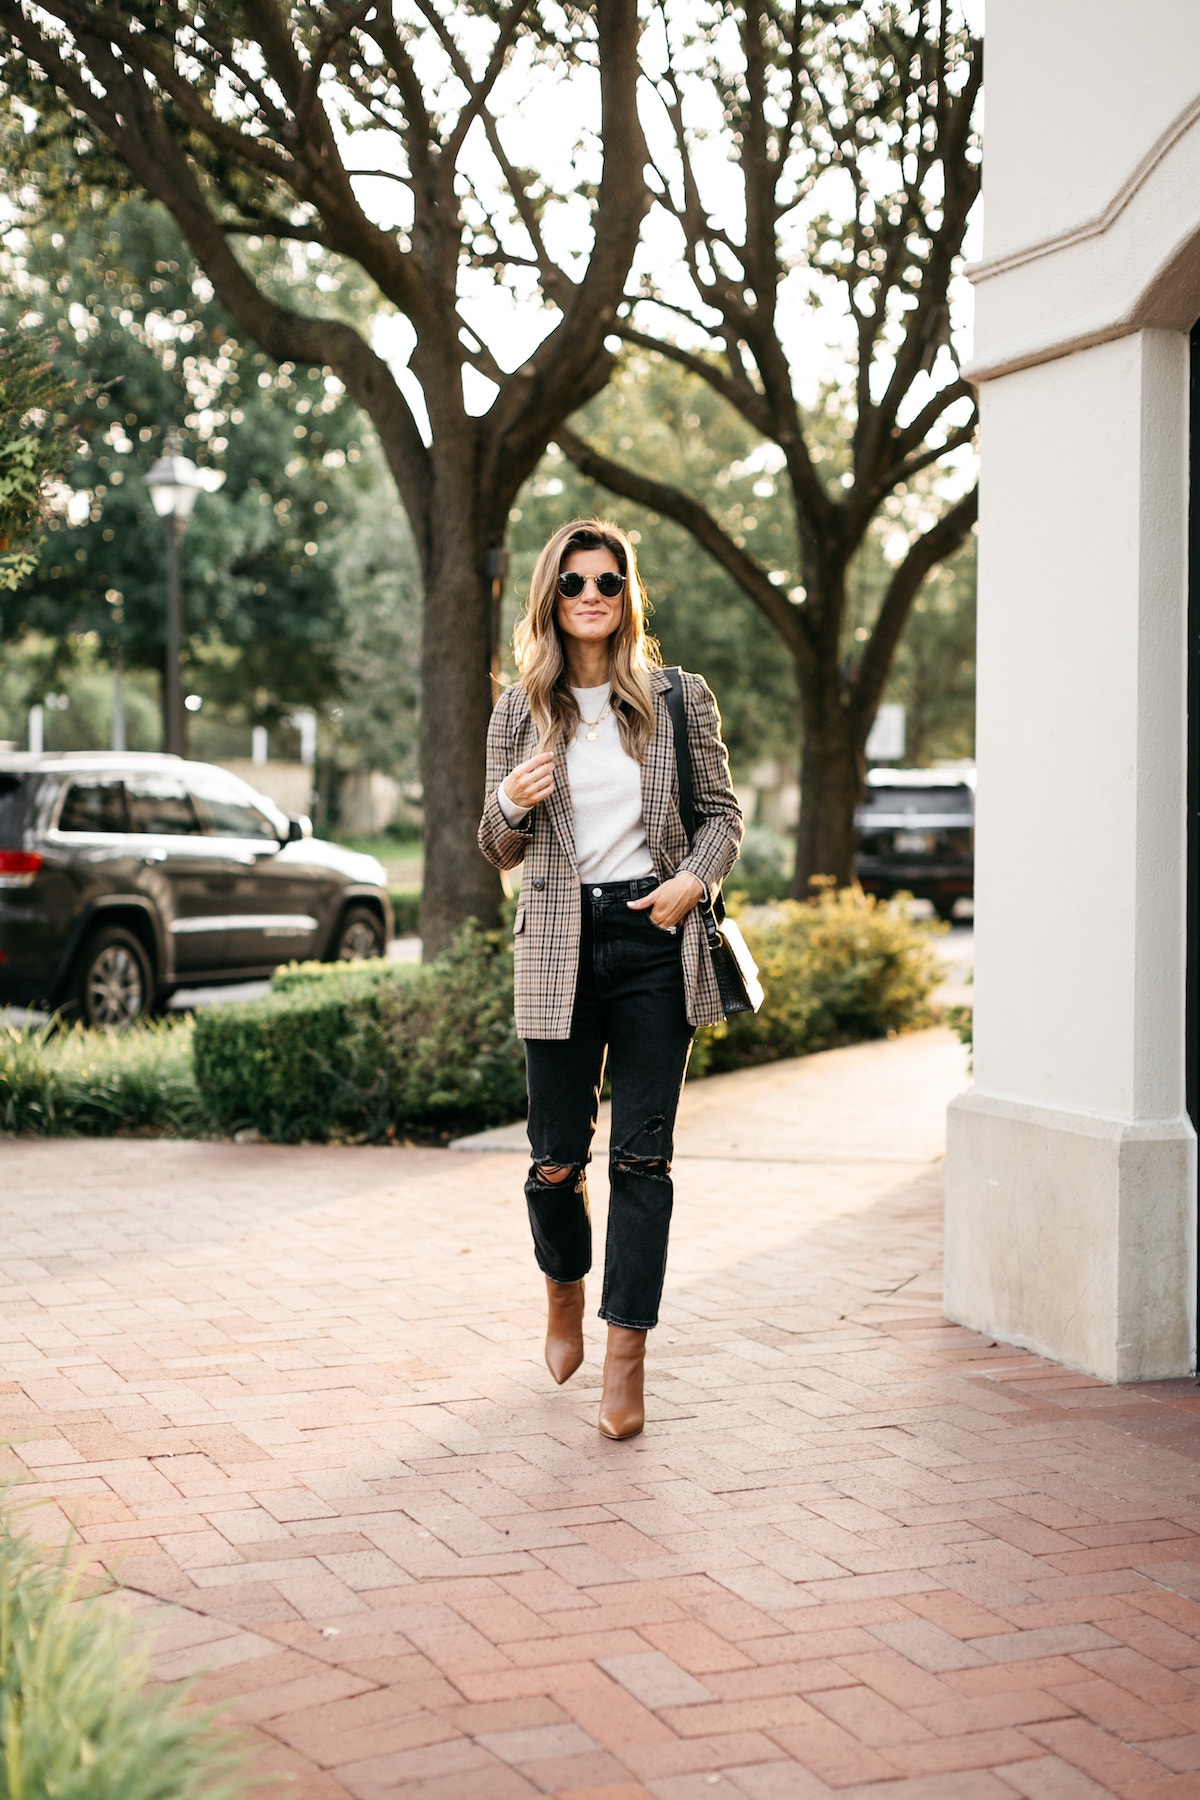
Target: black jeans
629,1002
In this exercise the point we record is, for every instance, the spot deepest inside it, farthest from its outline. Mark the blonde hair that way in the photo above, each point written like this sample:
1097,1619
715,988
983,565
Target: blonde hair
538,644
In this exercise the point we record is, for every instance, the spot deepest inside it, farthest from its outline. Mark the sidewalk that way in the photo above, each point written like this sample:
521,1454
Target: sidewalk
294,1398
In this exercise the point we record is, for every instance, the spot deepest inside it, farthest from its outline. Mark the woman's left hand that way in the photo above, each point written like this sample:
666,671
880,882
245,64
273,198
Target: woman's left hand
672,901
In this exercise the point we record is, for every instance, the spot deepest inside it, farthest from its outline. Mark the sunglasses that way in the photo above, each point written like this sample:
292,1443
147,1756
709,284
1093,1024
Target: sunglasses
571,584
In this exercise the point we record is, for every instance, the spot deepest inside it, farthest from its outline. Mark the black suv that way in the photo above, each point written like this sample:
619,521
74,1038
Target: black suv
123,878
916,835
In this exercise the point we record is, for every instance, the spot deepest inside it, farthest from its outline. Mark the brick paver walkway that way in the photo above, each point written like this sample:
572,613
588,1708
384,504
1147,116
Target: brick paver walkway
294,1399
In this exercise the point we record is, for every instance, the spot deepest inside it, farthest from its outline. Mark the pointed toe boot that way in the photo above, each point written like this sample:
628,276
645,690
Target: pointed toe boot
564,1328
622,1407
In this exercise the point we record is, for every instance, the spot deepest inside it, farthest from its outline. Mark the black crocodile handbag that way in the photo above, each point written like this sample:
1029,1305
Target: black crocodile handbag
735,969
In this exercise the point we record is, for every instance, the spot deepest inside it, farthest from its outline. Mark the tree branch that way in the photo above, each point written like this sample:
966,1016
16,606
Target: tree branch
699,366
933,547
659,496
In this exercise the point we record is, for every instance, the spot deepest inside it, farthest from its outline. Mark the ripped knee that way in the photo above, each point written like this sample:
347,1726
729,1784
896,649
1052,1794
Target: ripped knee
548,1174
654,1168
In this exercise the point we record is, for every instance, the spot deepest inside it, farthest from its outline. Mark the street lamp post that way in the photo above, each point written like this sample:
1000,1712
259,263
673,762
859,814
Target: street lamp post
174,482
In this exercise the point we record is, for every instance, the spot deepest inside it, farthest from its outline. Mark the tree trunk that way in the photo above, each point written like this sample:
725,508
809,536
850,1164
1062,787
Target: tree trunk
456,703
831,782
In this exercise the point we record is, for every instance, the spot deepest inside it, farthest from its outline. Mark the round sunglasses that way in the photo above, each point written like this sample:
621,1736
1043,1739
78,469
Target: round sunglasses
571,584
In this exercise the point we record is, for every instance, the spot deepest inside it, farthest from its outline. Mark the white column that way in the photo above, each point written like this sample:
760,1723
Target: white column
1070,1213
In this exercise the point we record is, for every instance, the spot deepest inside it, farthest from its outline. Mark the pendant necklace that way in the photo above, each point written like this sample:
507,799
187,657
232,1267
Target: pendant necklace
592,724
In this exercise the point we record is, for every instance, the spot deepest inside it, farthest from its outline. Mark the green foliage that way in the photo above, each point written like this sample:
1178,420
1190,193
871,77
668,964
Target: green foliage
35,443
264,615
961,1020
77,1721
305,1061
765,856
376,662
839,968
369,1050
406,911
76,1082
36,666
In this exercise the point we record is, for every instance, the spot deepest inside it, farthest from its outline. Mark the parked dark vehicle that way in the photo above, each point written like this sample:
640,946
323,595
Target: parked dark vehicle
916,835
124,878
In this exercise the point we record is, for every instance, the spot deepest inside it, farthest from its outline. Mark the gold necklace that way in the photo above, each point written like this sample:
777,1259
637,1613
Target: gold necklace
592,733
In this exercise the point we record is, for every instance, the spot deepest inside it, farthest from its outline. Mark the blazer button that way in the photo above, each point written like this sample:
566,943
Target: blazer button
538,883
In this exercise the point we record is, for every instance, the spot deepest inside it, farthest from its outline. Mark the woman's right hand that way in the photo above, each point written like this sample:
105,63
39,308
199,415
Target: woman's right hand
531,781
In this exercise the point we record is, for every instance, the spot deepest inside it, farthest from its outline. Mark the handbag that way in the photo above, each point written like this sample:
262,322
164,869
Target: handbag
735,969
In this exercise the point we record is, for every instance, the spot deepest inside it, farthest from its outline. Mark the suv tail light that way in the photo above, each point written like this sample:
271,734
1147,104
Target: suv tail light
18,867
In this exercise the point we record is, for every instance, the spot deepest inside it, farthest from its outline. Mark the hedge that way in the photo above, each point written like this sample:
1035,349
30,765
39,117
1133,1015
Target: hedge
406,910
369,1051
376,1051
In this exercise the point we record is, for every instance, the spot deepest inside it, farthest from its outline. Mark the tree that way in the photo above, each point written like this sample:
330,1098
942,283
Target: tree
854,155
35,443
253,121
150,349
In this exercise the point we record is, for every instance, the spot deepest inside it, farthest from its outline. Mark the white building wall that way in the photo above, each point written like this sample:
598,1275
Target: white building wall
1078,91
1070,1187
1083,659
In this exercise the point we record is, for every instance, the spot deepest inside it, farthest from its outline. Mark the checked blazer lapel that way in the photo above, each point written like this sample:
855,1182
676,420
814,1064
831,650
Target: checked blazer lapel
558,805
658,776
560,810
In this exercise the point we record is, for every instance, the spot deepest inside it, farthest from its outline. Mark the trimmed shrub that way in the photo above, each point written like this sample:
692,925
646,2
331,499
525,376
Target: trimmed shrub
836,969
74,1082
76,1718
369,1050
406,910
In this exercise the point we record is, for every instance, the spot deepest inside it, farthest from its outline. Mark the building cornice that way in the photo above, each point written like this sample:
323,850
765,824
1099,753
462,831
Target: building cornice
1134,264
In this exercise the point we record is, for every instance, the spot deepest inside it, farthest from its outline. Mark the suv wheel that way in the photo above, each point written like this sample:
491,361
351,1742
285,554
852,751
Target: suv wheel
113,986
359,936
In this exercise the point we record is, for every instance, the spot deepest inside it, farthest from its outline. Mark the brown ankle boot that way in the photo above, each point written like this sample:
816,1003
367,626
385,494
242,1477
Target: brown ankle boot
564,1328
622,1407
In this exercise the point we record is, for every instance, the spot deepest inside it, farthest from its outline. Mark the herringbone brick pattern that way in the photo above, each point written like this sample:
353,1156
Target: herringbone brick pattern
294,1400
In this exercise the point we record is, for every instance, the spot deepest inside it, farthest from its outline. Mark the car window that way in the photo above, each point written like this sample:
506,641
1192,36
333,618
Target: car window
924,800
227,816
162,805
12,805
93,806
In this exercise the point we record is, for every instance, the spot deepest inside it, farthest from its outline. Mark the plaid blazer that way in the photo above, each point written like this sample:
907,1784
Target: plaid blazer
548,923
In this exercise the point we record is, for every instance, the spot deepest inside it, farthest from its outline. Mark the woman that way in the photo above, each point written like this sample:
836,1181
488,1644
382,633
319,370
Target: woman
611,958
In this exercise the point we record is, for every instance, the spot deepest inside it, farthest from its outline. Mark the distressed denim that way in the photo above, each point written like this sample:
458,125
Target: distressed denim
630,1010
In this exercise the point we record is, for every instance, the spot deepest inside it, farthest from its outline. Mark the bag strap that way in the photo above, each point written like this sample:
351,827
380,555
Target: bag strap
714,911
683,756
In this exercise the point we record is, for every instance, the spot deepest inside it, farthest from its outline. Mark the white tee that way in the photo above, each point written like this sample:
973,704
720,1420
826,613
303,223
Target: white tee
606,798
